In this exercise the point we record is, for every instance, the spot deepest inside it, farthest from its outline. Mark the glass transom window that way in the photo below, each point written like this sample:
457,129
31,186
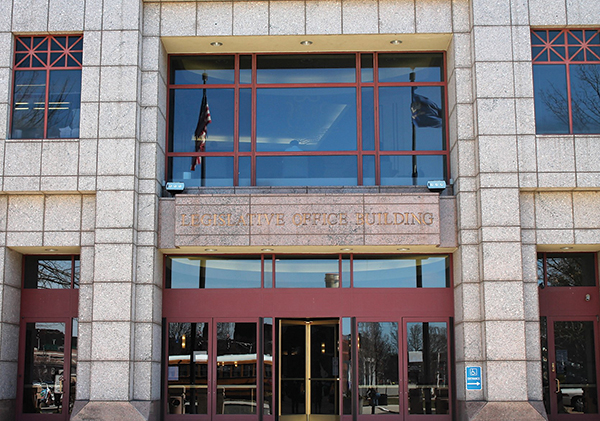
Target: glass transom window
307,120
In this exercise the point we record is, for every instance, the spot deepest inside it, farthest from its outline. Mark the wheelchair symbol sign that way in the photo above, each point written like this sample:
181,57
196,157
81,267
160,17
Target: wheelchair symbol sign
473,377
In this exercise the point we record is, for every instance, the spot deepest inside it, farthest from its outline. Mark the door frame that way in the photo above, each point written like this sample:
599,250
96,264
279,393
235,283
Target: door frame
551,364
308,323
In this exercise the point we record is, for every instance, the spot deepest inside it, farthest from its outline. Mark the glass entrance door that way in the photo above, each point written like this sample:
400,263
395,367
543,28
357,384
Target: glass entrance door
570,367
309,370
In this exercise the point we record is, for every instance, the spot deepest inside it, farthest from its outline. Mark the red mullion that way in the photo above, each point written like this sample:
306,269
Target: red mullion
376,116
567,63
47,92
253,119
236,118
359,157
446,120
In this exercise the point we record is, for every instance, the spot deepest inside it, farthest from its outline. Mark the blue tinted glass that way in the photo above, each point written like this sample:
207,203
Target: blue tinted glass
188,70
366,67
592,37
536,35
368,120
320,119
212,171
204,272
385,273
314,68
245,69
414,170
550,95
245,171
185,112
434,272
368,170
64,98
245,120
575,37
585,98
556,37
535,52
346,272
28,104
411,118
306,171
307,273
410,67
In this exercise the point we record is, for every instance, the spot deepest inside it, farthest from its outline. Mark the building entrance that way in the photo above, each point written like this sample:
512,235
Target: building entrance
569,335
309,357
316,338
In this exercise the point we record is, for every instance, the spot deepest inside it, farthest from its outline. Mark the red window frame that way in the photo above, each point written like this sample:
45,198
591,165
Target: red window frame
358,84
45,53
568,47
39,305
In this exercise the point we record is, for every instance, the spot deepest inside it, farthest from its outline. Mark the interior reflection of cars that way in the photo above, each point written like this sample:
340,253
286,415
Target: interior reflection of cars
573,397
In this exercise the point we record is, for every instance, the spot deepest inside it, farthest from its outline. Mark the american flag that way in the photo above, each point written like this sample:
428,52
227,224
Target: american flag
200,134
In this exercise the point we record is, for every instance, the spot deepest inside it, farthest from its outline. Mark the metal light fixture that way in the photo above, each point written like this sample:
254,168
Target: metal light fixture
216,44
175,187
266,249
210,249
436,185
306,42
395,42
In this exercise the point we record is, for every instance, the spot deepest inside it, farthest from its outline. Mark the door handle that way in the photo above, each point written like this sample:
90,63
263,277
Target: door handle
557,386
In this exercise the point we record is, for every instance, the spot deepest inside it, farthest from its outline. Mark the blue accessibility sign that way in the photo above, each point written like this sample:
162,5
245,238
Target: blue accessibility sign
473,375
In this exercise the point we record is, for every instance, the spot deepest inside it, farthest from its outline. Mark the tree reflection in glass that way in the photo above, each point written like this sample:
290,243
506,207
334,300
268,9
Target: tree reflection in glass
378,368
427,348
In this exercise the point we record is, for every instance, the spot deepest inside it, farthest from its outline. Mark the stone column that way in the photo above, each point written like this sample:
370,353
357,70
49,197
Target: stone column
495,301
122,327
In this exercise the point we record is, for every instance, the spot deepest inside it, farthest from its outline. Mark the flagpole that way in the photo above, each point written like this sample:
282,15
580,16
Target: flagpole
415,173
203,161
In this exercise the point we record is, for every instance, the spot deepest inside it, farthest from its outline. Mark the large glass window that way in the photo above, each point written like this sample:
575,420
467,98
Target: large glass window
307,120
47,87
337,271
566,269
51,272
566,76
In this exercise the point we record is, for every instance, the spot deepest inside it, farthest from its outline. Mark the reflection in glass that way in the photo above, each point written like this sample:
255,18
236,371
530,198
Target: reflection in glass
567,269
268,366
368,119
188,70
245,135
411,170
236,368
212,272
405,272
293,363
576,367
395,67
51,273
427,353
366,67
245,171
64,95
307,273
73,382
188,368
183,123
43,377
585,97
545,365
347,371
309,68
324,368
306,171
399,131
29,103
320,119
550,96
378,368
212,171
368,170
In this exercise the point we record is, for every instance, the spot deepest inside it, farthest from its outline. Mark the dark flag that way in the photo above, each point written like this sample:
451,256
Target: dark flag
425,112
200,134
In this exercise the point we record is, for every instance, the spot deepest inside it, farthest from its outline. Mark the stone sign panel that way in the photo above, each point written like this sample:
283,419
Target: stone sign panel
297,220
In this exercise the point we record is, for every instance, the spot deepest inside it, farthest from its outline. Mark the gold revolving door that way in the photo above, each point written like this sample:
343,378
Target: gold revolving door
309,370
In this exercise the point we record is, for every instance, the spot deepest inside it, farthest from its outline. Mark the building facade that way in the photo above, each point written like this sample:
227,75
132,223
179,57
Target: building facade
292,210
